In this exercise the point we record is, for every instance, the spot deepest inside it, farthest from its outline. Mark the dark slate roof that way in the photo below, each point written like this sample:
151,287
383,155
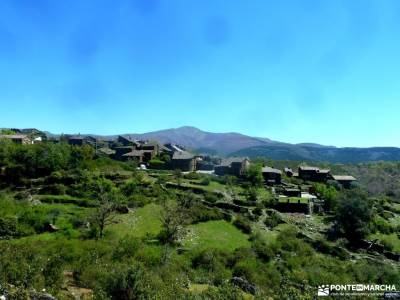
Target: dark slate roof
13,136
106,150
75,137
182,155
344,178
307,168
228,161
316,169
151,143
134,153
271,170
129,139
173,147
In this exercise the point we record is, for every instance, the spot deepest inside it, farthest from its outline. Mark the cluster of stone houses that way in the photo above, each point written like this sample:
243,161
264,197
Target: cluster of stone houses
179,157
126,148
273,176
301,197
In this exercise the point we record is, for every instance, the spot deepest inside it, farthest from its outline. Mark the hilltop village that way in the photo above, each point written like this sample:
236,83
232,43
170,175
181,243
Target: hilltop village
151,155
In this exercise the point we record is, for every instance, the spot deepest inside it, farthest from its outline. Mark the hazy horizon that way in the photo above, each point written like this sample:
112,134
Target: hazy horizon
293,71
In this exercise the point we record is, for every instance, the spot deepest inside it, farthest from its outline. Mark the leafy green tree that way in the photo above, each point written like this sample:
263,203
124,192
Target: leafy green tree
353,215
173,221
178,175
104,213
327,193
81,154
254,176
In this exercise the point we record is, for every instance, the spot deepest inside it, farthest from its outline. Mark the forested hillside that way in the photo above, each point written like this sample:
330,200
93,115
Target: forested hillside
320,153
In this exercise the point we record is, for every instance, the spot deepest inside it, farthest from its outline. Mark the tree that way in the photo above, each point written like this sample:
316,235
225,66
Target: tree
352,215
172,223
173,220
81,154
104,213
327,193
254,176
178,176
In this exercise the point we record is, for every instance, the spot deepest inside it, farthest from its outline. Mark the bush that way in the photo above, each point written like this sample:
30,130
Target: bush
138,200
126,283
192,176
263,249
242,224
205,181
130,187
54,189
8,228
200,213
126,248
211,197
258,211
387,244
352,216
381,225
273,219
247,268
65,199
157,164
214,262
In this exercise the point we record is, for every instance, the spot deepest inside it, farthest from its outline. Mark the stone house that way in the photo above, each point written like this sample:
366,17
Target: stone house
183,161
344,180
313,174
21,139
272,176
236,166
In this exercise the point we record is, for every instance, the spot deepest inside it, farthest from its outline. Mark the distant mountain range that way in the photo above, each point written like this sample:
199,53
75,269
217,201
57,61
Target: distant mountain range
232,143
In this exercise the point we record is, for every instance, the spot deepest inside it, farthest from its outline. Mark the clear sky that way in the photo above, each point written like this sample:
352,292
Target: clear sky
294,71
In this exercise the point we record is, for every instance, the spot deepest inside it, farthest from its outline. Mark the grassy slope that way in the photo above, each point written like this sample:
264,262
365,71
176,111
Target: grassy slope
144,220
216,234
392,239
212,234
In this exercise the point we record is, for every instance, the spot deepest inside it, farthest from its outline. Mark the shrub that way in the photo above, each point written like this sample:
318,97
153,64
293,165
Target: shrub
387,244
126,248
242,224
257,211
8,227
273,219
54,189
138,200
192,176
211,197
214,262
381,225
264,249
246,268
200,213
352,215
205,181
157,164
130,187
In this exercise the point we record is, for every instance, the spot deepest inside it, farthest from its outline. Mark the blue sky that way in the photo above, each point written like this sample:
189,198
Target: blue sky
294,71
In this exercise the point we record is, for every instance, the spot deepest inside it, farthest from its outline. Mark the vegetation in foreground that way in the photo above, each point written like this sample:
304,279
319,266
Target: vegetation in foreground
72,223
